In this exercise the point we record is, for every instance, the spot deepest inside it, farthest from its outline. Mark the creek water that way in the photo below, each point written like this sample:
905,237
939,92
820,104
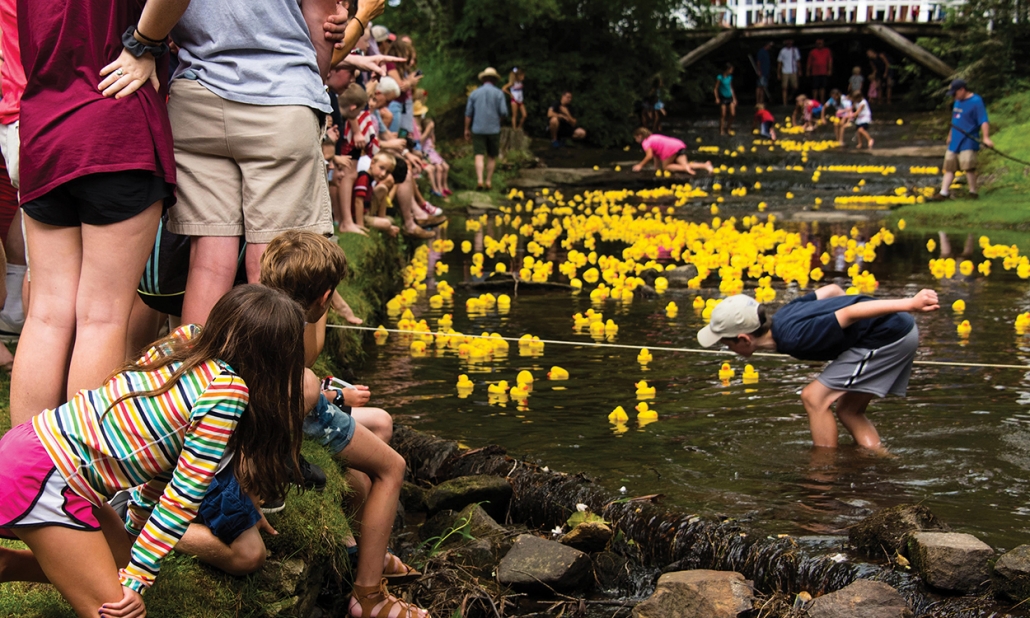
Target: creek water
958,443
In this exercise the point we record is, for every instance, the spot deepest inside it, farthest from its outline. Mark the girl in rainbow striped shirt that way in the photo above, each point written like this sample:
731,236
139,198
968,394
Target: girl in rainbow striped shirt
164,422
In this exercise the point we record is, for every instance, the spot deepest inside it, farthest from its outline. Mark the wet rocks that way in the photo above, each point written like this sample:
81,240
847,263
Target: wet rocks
535,563
1012,574
886,532
679,276
862,599
949,560
493,492
698,594
590,536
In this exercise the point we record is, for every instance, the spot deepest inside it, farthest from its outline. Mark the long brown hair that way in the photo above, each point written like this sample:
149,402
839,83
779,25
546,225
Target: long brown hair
259,332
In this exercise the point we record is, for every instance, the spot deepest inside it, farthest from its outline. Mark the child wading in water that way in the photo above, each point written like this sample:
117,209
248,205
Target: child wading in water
871,342
726,99
514,90
161,425
765,122
863,118
668,153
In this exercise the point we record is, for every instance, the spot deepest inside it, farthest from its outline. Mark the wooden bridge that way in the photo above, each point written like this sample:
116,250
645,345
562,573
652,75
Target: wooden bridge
892,21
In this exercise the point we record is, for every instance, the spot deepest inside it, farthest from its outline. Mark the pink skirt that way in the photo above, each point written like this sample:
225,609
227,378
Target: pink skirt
33,492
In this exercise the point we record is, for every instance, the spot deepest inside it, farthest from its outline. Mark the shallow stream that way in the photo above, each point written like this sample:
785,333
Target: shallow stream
959,443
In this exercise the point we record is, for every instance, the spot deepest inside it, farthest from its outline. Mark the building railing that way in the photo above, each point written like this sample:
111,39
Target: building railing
754,13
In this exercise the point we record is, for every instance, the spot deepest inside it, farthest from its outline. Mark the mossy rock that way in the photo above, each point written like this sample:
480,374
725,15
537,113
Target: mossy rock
886,532
493,492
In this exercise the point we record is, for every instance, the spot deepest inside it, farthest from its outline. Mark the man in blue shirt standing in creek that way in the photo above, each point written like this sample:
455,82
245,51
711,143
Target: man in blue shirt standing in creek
483,112
968,120
871,344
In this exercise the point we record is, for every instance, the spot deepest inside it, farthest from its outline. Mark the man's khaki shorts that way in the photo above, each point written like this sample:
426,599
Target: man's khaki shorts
790,80
965,161
246,170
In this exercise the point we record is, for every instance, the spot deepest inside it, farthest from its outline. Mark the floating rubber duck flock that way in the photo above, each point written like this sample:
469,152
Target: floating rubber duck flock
731,253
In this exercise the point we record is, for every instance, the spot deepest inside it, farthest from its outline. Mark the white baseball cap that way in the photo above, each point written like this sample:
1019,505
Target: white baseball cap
735,316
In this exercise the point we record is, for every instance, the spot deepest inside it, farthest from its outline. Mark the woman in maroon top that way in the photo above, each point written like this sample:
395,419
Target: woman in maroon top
96,170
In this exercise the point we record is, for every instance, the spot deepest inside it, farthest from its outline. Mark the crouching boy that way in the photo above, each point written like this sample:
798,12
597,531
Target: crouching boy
871,345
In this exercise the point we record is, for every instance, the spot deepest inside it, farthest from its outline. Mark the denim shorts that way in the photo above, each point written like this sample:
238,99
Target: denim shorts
225,509
329,425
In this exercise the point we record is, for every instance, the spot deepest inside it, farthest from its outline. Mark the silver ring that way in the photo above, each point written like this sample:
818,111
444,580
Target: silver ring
119,72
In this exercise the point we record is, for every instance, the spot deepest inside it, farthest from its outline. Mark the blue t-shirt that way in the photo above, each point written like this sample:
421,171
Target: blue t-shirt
486,106
807,328
725,86
764,63
967,115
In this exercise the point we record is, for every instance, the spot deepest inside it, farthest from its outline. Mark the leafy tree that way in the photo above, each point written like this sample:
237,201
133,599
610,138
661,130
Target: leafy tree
605,52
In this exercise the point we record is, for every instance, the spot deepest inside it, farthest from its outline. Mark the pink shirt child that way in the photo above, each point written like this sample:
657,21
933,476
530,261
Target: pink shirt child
663,146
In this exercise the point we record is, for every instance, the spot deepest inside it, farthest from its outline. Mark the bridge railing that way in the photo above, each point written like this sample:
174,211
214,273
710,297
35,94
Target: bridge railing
755,13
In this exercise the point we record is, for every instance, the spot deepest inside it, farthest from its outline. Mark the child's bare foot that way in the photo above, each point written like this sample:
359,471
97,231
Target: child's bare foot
690,171
393,231
870,144
352,229
709,167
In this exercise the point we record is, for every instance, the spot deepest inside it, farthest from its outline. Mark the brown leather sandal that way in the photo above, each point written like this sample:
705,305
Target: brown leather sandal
396,572
376,602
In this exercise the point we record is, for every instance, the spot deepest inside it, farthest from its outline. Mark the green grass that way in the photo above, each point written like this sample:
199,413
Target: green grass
1003,210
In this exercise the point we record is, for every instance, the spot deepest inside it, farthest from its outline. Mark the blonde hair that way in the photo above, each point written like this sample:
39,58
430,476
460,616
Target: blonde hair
304,265
385,159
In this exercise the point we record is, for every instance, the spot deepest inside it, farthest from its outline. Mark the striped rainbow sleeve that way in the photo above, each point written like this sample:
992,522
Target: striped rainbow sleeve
213,420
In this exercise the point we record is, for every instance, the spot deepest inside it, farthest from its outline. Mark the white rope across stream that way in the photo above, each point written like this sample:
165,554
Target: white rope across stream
596,344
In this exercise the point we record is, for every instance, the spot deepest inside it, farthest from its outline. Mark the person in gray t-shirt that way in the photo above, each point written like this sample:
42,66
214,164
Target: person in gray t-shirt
483,112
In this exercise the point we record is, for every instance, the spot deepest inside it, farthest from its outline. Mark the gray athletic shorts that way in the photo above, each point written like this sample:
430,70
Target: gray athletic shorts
879,371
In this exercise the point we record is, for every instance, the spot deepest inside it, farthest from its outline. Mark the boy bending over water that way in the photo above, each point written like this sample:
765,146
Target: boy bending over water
870,342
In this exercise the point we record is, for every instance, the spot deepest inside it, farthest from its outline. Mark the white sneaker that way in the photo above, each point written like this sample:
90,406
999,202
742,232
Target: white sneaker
431,210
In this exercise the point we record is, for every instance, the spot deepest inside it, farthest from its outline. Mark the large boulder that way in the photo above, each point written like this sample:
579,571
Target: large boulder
472,518
1012,574
413,498
886,532
478,555
535,563
950,561
493,492
589,536
862,599
698,594
679,276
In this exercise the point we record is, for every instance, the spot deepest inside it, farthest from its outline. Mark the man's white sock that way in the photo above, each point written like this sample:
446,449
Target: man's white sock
13,311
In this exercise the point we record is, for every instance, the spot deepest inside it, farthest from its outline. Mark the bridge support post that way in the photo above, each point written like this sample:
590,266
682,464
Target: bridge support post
708,47
910,49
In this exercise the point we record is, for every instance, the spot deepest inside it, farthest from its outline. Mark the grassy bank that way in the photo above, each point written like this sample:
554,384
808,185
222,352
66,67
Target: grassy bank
311,528
1003,210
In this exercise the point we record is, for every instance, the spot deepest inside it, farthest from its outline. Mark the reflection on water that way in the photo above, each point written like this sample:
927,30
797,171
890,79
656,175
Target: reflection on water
959,443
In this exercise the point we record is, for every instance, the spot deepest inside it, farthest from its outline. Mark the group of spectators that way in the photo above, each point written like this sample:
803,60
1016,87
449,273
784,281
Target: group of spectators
876,81
200,191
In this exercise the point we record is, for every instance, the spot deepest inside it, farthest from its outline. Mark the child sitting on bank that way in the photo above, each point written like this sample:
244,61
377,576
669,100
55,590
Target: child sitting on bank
359,139
871,342
669,153
161,425
379,170
427,129
808,108
765,122
308,267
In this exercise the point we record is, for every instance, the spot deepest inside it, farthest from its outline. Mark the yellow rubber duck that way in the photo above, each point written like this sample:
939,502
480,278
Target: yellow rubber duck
524,377
579,321
610,327
726,372
699,303
464,384
381,334
750,375
498,389
418,347
557,373
646,413
959,306
645,356
519,391
597,328
643,390
964,329
618,415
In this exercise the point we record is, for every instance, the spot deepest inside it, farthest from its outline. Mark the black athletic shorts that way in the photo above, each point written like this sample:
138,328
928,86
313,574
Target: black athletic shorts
400,170
100,199
819,82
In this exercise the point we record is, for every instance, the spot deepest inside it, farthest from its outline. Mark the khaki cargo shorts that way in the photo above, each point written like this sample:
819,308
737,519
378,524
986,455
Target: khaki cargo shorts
246,170
955,161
